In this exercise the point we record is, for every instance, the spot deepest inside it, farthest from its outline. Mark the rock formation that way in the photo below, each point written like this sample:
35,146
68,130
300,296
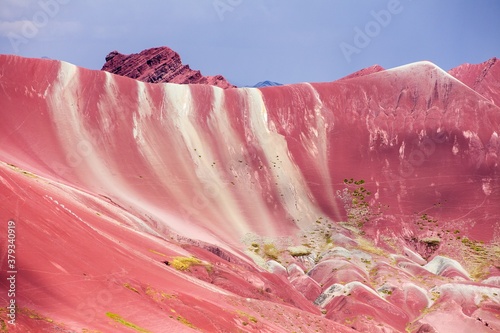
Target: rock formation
159,65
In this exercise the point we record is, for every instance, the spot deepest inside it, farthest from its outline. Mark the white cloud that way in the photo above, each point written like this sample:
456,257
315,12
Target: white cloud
30,30
62,29
15,9
16,27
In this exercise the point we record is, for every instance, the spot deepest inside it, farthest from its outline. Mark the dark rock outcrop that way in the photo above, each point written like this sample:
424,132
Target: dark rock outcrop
157,65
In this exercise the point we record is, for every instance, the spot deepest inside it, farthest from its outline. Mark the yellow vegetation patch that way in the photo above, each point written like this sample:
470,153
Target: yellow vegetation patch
117,318
34,315
184,263
3,326
367,246
158,296
271,251
478,257
128,286
184,321
247,316
18,169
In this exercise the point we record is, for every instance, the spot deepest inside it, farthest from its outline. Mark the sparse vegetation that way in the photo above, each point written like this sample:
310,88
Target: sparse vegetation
254,247
26,173
184,263
435,295
271,251
34,315
262,249
474,246
369,247
158,296
355,198
184,321
479,257
129,287
246,316
3,326
366,261
385,291
117,318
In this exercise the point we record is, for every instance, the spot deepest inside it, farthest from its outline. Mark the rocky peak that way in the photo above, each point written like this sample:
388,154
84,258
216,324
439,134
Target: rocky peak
159,65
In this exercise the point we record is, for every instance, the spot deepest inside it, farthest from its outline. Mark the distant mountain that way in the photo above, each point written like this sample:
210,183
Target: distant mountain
160,64
267,84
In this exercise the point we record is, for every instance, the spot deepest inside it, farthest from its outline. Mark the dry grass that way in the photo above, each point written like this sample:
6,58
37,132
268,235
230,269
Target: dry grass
184,263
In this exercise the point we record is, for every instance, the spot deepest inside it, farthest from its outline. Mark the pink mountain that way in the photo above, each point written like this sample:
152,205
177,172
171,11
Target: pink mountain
159,65
483,78
368,204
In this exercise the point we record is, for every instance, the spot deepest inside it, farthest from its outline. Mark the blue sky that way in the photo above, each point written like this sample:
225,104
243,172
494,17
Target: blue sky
249,41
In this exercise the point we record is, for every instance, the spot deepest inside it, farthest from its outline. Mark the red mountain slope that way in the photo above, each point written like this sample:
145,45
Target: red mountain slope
368,203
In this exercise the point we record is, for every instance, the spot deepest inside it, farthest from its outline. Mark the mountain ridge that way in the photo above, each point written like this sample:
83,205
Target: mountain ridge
162,65
156,65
